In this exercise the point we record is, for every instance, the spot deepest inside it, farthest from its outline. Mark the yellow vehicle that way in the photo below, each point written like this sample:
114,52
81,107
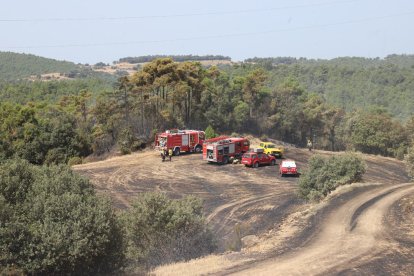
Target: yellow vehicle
272,149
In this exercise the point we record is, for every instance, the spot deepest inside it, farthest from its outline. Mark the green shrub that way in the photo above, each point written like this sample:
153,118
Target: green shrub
52,223
125,141
210,133
139,144
76,160
55,156
161,230
264,138
325,174
409,162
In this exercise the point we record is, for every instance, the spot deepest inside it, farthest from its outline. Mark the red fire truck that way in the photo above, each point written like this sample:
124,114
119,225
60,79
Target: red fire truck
180,141
221,149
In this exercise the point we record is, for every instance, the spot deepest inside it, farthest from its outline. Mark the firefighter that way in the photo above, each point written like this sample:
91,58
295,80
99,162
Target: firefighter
163,155
309,145
170,154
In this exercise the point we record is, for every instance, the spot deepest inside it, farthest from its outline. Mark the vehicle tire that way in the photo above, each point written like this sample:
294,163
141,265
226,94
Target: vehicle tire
225,160
177,151
256,165
198,149
272,163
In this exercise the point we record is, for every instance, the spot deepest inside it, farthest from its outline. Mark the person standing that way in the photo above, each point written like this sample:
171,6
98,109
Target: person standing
170,154
310,145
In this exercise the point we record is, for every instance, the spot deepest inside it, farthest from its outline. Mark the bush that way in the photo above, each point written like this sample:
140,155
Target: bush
128,142
139,144
74,161
125,141
325,174
55,156
264,138
160,230
409,162
210,133
51,222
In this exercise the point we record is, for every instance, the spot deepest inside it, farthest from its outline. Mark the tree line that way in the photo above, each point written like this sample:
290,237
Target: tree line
178,58
50,92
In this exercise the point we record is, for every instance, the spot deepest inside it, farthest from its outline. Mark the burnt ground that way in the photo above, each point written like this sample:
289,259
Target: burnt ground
238,201
397,257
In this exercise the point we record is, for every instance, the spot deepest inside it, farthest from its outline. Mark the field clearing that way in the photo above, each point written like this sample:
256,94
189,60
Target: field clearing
238,201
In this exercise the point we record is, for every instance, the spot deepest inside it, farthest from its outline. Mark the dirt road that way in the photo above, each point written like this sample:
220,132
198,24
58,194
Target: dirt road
353,235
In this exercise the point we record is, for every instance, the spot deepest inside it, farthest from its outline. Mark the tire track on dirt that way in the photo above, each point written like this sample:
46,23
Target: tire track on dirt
352,234
231,208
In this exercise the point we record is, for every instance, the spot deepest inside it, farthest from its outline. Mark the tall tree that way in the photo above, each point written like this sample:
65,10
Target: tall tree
252,86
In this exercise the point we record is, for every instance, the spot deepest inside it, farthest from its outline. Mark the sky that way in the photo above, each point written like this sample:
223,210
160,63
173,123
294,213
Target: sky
91,31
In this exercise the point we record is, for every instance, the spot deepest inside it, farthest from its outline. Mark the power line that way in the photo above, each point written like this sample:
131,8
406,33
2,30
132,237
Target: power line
363,20
173,15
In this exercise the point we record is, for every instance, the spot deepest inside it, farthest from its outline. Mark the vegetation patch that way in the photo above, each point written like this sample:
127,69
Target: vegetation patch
161,230
409,162
326,174
52,223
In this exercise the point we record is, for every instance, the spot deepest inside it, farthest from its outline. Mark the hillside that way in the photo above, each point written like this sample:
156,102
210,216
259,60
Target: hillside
52,91
18,66
252,210
349,82
401,61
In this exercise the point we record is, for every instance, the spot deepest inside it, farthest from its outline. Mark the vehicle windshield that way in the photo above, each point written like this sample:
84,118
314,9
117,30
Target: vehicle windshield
290,164
271,146
246,155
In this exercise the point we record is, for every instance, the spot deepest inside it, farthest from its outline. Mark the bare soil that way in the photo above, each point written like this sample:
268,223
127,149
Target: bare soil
346,236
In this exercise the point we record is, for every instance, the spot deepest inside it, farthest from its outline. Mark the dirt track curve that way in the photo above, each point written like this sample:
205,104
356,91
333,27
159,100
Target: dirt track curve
352,235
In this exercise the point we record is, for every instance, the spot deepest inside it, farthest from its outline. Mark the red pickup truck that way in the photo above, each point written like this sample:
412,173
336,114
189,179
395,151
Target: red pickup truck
254,159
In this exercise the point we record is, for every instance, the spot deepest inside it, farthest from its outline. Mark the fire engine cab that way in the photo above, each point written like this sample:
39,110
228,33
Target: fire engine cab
221,149
180,141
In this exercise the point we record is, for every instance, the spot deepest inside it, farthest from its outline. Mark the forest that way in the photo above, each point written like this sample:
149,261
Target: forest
345,107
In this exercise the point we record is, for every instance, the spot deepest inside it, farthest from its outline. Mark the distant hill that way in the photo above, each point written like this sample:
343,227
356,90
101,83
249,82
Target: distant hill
350,82
179,58
402,61
15,66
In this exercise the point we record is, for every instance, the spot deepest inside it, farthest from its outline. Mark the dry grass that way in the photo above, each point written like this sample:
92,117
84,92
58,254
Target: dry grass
201,266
